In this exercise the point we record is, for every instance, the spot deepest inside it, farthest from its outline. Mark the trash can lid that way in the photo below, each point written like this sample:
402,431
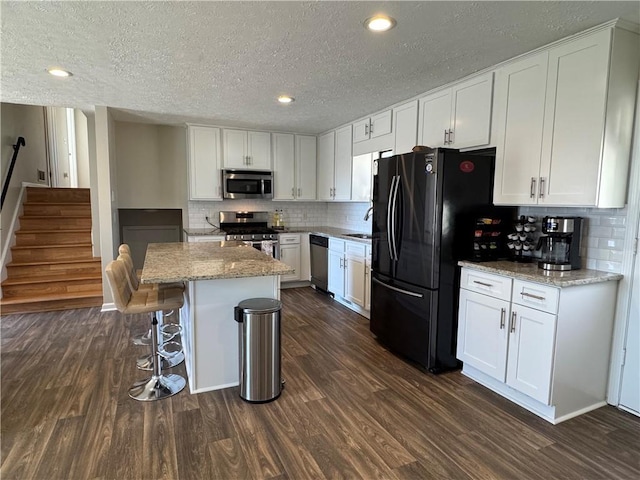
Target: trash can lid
260,305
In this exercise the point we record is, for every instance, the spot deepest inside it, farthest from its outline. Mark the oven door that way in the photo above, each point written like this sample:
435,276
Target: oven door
243,184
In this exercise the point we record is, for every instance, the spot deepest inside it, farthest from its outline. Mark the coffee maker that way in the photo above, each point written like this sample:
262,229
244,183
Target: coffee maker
560,243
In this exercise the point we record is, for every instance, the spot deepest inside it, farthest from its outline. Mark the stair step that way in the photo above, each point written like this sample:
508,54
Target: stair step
44,253
56,287
51,278
68,267
53,237
58,195
68,222
46,303
58,209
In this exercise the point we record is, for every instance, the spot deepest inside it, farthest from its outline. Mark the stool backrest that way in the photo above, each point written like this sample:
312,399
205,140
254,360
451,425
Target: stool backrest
132,278
117,278
124,248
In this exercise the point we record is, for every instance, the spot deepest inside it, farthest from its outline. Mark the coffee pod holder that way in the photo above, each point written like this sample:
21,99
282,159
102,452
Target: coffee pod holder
519,242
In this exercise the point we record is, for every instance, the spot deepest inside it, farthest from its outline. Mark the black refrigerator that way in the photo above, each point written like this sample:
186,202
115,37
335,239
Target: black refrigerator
424,206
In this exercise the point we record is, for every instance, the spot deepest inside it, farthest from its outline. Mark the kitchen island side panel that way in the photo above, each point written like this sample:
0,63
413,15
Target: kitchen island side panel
212,348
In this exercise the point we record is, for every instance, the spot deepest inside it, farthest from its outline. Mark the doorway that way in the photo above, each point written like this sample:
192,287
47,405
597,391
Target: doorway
62,152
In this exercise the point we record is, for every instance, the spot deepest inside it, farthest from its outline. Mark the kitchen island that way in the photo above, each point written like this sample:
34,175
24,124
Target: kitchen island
218,276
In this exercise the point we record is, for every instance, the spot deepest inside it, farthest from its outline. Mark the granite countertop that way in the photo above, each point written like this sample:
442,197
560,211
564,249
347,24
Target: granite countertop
531,272
180,262
204,231
325,231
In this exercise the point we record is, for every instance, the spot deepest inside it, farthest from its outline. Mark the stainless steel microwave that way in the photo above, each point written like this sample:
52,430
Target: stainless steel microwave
247,184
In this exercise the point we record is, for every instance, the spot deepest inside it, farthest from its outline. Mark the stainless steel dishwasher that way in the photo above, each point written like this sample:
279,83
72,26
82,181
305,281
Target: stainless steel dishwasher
319,262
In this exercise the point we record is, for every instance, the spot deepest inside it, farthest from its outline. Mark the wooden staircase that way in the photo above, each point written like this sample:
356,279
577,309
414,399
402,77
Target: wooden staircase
52,265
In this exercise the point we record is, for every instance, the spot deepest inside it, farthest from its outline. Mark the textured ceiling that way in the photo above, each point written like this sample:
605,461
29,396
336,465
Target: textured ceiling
225,62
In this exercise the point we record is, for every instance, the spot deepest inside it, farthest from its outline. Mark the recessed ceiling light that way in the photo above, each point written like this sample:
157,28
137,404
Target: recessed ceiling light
379,23
58,72
285,99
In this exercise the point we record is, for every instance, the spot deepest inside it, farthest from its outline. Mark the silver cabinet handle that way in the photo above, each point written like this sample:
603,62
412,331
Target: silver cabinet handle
370,128
532,193
299,192
541,191
366,129
450,136
293,193
489,285
502,315
513,322
446,134
531,295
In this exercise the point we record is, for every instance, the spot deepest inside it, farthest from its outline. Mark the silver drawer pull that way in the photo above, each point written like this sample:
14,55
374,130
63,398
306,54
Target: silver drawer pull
514,315
537,297
489,285
502,314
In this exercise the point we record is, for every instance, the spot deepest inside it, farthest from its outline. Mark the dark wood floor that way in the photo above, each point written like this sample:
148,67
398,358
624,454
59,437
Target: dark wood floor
350,409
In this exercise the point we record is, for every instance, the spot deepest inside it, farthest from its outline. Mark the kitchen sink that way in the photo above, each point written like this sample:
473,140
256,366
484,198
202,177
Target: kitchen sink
366,236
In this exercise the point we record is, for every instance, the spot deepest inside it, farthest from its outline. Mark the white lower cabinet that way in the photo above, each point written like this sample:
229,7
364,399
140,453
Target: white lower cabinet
205,238
367,279
289,245
543,347
349,274
354,261
336,267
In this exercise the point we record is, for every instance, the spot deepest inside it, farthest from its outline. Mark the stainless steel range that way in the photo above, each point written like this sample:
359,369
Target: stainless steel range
251,228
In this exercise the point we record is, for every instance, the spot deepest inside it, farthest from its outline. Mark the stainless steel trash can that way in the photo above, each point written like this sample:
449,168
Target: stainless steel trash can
259,335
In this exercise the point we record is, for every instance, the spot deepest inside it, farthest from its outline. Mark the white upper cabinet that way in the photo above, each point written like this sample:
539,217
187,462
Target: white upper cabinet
334,165
246,150
584,137
518,117
362,178
306,152
342,170
294,165
405,127
375,126
459,116
284,173
326,160
204,163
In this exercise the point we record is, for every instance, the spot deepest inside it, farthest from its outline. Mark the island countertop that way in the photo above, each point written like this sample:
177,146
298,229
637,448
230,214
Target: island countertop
183,262
531,272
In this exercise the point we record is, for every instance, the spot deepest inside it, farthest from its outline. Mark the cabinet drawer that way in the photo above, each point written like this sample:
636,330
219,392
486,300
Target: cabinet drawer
536,295
495,286
355,249
289,239
336,245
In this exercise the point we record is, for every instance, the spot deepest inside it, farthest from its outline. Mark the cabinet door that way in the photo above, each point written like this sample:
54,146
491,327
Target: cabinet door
290,254
518,118
342,165
405,127
531,351
435,118
306,151
283,166
482,333
361,131
362,178
367,284
204,163
380,124
326,157
354,280
259,150
336,273
305,257
471,112
235,148
574,120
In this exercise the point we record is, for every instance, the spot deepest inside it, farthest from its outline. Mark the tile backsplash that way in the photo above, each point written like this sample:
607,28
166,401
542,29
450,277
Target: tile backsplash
602,237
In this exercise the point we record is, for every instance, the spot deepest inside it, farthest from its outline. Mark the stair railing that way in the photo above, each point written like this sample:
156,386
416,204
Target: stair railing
16,149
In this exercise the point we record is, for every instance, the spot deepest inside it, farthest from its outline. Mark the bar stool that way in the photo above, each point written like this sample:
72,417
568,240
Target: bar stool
130,302
167,331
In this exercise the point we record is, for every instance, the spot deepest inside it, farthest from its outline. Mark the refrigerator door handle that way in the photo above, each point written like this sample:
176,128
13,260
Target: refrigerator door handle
393,219
396,289
389,223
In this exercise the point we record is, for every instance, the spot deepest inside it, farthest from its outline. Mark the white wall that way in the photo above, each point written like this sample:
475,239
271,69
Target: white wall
151,166
82,149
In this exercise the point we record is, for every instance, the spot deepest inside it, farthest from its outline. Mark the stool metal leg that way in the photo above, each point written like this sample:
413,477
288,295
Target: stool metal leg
143,339
158,386
146,361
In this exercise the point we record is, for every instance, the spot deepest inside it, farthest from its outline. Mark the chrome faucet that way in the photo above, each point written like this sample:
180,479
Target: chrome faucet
367,215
